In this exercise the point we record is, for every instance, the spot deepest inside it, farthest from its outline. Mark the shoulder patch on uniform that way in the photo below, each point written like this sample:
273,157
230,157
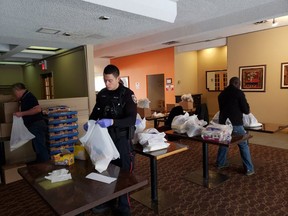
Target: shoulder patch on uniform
134,98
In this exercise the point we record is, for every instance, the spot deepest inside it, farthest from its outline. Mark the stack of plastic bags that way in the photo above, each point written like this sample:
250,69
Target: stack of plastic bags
218,132
188,124
152,140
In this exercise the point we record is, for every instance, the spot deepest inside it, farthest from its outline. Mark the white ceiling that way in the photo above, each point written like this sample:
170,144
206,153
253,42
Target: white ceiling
126,33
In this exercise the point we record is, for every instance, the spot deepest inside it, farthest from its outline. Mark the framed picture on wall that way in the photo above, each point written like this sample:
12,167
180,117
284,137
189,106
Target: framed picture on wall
253,78
284,75
125,80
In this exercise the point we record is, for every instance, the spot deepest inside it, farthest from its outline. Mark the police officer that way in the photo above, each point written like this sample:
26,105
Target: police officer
116,110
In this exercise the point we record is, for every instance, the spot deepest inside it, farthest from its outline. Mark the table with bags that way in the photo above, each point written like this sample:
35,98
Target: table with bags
206,177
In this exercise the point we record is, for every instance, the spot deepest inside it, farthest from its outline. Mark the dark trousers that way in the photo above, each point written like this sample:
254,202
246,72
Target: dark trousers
126,162
39,130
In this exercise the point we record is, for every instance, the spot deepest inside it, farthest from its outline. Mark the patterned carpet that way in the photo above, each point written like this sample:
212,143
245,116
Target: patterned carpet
265,193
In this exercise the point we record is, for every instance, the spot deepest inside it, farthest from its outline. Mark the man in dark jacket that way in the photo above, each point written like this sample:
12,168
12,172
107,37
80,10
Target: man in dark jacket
232,105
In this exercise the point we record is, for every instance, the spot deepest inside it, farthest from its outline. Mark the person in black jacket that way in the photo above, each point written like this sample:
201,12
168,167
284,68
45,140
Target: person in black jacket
232,105
116,110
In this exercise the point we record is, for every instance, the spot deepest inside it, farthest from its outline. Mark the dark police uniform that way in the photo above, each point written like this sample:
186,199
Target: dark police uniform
36,125
121,106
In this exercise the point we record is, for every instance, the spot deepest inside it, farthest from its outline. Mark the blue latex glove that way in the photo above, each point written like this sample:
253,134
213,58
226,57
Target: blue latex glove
85,126
104,123
138,121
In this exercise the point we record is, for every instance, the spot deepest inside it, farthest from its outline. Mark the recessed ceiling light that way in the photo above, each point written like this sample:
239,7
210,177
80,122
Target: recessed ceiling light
104,18
43,48
12,63
44,52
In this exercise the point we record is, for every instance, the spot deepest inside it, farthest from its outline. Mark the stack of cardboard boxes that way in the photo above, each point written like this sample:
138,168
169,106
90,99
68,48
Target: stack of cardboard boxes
7,108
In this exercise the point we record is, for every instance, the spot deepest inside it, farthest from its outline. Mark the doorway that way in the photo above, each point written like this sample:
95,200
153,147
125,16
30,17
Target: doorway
47,86
155,92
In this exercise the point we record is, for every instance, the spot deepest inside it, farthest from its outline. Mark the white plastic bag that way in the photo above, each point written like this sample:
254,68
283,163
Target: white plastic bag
178,123
99,146
250,121
194,126
19,134
139,128
152,140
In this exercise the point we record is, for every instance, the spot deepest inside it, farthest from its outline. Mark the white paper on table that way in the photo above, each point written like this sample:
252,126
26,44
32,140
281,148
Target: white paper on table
101,178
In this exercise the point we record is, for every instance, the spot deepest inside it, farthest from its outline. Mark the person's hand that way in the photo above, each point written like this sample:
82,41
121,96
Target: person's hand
104,123
137,122
18,114
85,126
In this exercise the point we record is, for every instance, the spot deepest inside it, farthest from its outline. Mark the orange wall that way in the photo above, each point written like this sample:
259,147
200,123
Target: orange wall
140,65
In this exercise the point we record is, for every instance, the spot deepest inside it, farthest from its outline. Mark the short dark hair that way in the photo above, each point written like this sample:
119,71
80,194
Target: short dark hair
235,81
111,69
18,86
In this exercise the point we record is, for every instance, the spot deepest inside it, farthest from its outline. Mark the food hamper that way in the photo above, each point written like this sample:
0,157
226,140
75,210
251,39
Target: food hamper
62,129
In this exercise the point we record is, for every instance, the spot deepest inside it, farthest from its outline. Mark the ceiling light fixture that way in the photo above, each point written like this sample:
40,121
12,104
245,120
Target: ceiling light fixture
43,48
12,63
165,10
44,52
274,23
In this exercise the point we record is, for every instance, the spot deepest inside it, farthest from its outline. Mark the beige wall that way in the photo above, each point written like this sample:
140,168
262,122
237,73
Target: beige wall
190,70
186,76
268,48
210,59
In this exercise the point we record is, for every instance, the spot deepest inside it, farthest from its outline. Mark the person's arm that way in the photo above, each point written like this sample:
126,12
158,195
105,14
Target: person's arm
32,111
245,108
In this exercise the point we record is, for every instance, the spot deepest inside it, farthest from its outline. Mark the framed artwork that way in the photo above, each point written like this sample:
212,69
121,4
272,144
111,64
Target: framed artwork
125,80
284,75
168,80
253,78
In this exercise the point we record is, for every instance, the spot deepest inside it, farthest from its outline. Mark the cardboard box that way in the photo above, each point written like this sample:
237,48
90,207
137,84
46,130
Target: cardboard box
10,172
144,112
6,111
187,105
5,129
6,98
